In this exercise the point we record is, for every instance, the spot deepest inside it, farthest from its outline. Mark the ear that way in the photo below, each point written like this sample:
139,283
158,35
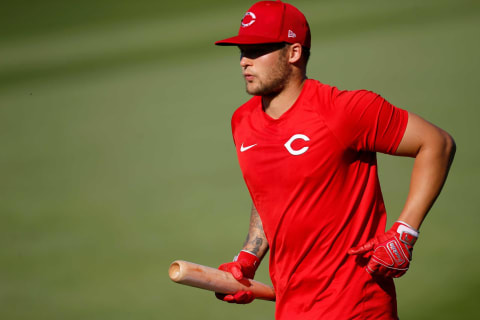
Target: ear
295,53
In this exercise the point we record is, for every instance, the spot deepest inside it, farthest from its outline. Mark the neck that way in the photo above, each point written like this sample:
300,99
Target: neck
279,103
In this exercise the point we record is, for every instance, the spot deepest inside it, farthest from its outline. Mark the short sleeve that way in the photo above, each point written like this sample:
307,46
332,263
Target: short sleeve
363,120
233,124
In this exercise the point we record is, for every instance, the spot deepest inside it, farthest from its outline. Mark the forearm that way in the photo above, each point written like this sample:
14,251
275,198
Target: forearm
256,241
247,261
433,158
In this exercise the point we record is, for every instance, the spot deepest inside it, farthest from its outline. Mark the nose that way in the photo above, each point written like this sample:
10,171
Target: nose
245,62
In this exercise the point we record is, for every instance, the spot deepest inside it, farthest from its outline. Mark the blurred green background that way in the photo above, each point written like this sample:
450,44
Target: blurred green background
117,157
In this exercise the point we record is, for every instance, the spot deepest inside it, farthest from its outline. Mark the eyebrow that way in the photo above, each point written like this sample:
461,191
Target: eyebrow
257,50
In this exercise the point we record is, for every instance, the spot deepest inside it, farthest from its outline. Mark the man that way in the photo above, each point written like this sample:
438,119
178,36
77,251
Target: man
308,156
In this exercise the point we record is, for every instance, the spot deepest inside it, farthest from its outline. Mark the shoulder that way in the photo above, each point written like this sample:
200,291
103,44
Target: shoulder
325,96
354,97
245,110
315,87
330,100
339,96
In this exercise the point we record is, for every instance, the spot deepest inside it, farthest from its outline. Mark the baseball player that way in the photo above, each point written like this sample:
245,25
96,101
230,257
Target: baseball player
307,151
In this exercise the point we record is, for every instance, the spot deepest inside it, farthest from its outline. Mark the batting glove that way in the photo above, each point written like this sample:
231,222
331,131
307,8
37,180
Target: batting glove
390,253
243,266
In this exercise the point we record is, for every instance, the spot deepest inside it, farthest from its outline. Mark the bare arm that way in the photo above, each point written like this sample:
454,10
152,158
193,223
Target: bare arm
256,241
433,150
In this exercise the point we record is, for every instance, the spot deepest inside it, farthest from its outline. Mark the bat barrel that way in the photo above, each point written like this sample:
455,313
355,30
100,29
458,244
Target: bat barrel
207,278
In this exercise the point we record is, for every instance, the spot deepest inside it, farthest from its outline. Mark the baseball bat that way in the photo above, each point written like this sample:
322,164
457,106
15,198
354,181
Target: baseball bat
203,277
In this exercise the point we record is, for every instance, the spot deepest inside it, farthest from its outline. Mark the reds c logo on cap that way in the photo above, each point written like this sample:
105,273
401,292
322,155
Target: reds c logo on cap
277,22
248,19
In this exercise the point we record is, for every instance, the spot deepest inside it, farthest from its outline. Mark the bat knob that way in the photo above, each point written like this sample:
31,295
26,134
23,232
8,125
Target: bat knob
175,271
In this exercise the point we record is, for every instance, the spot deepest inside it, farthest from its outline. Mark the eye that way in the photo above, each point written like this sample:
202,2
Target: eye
255,51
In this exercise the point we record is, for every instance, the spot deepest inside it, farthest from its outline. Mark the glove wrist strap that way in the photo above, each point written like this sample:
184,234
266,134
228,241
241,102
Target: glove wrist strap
247,258
408,235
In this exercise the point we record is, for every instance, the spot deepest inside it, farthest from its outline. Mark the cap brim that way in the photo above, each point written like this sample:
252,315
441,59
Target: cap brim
245,39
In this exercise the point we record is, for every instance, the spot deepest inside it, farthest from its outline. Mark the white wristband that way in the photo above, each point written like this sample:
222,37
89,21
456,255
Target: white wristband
405,227
236,257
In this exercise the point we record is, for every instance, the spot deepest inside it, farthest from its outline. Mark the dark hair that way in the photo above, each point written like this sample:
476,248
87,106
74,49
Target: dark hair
306,54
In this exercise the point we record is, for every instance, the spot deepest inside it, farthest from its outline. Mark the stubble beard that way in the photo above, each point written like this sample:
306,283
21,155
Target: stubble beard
275,82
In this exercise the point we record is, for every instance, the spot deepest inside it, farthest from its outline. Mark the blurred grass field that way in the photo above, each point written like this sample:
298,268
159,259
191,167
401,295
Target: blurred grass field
117,156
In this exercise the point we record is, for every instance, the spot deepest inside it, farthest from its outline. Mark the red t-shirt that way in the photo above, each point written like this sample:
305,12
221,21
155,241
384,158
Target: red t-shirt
312,175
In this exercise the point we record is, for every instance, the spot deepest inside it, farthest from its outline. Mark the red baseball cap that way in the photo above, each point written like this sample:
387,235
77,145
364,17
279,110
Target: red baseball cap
271,22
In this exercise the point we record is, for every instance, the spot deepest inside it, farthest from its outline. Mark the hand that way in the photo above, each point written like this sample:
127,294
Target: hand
390,253
243,266
240,297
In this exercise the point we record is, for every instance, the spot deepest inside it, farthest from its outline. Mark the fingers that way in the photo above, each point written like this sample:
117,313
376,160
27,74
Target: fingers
234,268
399,273
220,296
225,297
241,297
236,271
364,248
372,267
377,269
356,250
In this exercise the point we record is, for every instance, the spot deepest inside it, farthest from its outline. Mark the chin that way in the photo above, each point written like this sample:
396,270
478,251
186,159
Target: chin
253,90
262,91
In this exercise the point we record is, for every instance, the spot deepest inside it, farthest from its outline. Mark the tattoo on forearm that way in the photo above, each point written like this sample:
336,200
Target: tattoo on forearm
247,240
258,245
256,241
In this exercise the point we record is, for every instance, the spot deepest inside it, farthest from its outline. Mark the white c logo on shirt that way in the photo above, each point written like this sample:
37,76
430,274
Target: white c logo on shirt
288,144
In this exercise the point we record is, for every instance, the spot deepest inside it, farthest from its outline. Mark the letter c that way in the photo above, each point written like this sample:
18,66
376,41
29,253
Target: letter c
252,17
288,144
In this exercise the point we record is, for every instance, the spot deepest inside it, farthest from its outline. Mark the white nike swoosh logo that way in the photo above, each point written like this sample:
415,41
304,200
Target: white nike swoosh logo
243,149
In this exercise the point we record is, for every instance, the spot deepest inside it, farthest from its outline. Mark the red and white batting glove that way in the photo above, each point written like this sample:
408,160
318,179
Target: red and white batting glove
390,253
243,266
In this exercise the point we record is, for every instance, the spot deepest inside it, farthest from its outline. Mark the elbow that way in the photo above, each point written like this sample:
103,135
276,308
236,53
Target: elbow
449,146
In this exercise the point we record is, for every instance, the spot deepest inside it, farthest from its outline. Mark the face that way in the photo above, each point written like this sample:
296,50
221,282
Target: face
265,68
